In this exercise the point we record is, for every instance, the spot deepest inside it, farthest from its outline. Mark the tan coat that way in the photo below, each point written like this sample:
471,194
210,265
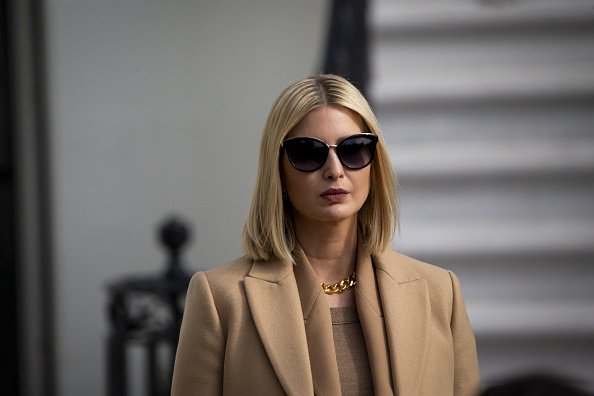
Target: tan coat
264,328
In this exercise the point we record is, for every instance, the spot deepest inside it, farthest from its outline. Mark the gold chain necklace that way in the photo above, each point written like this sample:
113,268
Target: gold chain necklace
339,287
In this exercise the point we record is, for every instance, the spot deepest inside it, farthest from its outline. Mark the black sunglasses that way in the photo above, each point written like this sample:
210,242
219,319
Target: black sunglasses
308,154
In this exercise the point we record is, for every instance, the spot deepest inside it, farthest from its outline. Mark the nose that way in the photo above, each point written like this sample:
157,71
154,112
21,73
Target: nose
333,169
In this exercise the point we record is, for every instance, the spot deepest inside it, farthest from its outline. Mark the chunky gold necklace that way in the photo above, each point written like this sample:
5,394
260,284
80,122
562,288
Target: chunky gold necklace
339,287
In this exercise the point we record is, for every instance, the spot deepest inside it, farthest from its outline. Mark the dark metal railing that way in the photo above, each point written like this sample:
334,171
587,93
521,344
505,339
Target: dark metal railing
145,313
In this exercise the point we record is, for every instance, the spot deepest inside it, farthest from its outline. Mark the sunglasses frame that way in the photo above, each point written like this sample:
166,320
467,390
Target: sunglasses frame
374,141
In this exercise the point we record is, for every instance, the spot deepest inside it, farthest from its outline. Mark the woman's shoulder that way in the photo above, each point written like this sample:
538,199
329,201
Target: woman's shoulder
222,285
228,273
405,268
442,284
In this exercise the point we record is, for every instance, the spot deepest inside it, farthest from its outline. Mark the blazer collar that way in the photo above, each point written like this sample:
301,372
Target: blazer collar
405,302
318,327
371,316
393,305
282,312
274,302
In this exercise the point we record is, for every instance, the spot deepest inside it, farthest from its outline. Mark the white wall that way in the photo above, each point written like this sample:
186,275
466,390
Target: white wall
156,107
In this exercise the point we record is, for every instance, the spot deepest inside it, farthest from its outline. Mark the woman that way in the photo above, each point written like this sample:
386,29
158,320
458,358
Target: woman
320,303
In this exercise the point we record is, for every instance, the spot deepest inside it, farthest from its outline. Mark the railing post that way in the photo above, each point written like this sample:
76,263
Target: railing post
146,311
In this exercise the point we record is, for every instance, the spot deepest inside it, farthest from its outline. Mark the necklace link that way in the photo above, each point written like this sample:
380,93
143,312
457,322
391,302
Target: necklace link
342,286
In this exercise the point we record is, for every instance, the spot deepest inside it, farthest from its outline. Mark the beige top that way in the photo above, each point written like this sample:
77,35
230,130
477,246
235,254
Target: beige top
351,353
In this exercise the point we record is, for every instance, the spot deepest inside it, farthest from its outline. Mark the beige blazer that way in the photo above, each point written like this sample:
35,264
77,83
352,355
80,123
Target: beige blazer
264,328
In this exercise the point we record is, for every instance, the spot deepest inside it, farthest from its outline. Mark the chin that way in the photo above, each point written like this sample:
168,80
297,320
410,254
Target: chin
338,217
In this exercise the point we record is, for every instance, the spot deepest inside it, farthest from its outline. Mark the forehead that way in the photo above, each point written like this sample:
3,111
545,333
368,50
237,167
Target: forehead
329,123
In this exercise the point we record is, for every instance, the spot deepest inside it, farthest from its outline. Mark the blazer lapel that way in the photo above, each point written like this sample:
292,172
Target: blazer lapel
318,328
405,302
274,302
371,317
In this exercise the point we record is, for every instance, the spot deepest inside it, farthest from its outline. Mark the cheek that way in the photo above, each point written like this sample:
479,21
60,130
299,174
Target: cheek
364,185
363,179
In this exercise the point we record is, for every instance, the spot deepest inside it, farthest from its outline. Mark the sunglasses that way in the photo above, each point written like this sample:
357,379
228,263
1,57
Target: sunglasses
308,154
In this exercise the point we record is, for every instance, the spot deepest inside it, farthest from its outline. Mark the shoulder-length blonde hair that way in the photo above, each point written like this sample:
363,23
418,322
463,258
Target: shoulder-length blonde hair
268,233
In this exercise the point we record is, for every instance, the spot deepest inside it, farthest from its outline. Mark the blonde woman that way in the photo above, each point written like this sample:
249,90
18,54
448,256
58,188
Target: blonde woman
320,304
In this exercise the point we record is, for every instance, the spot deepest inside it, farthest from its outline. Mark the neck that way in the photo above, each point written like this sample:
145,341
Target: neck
331,248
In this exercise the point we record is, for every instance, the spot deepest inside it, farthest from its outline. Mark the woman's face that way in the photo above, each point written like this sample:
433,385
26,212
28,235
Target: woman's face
332,193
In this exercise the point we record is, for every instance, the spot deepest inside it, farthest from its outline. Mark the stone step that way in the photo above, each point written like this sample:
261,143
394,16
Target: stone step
493,158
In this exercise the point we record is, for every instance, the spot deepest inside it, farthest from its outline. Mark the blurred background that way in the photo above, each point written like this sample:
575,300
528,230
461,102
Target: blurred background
118,114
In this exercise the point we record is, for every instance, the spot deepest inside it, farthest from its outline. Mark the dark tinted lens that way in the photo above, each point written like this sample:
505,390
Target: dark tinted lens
306,154
357,151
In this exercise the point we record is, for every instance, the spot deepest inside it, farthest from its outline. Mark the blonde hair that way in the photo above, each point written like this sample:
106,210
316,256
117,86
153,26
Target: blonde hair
268,233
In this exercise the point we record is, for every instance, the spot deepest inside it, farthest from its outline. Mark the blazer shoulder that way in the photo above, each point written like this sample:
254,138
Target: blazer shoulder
443,284
404,268
233,270
226,279
224,287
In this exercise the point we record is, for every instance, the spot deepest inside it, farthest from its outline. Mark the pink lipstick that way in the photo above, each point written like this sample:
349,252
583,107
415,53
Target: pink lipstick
334,194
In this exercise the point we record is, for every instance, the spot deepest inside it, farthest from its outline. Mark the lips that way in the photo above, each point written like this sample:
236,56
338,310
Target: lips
334,194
